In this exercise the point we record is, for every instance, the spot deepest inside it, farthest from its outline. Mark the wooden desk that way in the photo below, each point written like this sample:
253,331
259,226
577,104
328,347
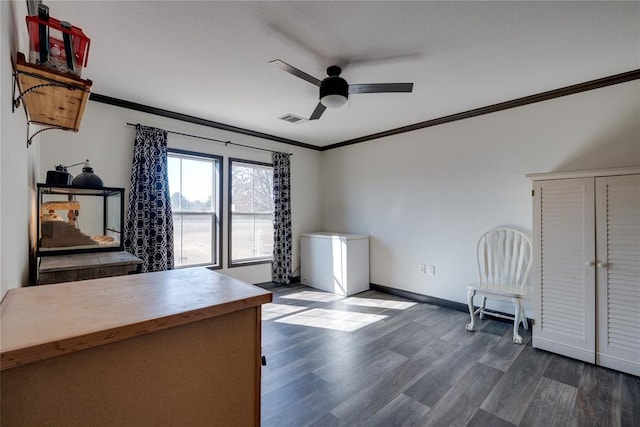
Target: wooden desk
180,347
69,268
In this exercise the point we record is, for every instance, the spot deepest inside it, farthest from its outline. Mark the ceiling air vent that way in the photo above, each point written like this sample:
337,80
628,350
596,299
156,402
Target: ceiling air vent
291,118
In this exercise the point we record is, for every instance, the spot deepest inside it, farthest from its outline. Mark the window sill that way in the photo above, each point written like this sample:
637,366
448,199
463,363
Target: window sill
250,262
209,266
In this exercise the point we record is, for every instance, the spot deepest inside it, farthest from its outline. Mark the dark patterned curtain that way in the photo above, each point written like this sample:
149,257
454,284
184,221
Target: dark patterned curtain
148,231
282,237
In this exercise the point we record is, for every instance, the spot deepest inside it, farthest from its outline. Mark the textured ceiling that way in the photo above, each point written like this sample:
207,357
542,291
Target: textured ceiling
209,59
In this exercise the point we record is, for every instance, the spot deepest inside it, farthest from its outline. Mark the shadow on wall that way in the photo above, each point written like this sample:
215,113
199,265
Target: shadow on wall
382,257
620,141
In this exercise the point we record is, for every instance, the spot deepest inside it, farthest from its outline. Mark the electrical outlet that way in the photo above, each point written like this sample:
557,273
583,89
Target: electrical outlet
423,268
432,270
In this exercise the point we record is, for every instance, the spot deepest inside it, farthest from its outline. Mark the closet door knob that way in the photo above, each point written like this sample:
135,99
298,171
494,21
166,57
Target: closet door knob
603,265
590,263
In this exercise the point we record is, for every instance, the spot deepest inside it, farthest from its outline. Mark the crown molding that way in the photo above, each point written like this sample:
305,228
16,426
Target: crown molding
519,102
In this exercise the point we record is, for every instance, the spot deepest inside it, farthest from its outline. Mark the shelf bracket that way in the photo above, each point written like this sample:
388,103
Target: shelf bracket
42,130
15,103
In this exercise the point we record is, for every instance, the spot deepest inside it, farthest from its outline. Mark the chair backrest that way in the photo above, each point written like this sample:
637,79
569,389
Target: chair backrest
504,257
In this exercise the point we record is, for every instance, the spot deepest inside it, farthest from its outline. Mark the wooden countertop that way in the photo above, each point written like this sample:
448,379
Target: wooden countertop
41,322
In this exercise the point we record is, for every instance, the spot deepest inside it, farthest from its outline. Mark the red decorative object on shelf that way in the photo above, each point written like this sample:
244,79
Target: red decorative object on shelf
63,38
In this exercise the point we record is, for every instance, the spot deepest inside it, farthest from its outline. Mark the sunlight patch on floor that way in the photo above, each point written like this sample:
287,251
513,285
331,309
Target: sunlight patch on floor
313,296
271,311
332,319
380,303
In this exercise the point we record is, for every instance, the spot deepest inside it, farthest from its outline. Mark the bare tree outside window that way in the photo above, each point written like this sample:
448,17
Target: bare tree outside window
251,200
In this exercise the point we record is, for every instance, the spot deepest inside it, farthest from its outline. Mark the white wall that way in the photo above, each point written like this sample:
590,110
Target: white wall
17,163
423,196
426,196
107,141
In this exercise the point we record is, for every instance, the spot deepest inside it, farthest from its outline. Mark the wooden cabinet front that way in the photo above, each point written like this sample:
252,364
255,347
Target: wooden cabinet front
202,374
180,347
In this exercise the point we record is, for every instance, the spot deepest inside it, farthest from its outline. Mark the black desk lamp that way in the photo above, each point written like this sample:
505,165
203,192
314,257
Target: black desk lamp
87,178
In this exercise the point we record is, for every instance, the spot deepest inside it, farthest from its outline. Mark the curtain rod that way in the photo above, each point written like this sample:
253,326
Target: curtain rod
214,140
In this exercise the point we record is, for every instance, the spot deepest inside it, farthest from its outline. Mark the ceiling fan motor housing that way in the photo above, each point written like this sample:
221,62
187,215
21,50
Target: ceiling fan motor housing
334,85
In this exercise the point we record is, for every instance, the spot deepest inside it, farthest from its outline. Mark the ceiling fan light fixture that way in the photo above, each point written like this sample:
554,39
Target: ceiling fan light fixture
333,101
334,92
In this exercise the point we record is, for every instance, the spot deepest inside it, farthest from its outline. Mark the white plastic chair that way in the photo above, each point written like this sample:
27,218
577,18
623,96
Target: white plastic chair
504,261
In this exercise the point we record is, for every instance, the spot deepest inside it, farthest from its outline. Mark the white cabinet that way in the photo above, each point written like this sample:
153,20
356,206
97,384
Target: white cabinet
334,262
586,272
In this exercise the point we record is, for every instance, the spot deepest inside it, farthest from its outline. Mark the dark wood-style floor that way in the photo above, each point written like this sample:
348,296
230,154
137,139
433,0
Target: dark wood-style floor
379,360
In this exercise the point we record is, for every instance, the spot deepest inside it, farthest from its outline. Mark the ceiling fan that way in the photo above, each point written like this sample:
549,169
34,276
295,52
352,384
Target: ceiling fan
334,90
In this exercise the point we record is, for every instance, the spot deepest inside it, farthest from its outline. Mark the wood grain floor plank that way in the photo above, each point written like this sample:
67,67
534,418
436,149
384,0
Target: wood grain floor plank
441,320
413,344
359,373
360,359
512,395
459,404
295,362
357,409
276,401
496,328
552,404
323,399
291,348
504,353
484,419
394,337
630,400
307,410
436,382
393,322
598,402
565,370
460,335
401,411
328,420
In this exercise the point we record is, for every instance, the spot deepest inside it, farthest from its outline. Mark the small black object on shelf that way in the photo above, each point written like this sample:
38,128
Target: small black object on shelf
68,46
43,35
60,176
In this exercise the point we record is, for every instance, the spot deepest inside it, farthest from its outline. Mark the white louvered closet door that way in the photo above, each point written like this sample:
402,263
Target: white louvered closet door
564,273
618,272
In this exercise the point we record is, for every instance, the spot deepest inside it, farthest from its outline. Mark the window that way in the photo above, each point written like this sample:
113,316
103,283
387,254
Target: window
251,212
194,184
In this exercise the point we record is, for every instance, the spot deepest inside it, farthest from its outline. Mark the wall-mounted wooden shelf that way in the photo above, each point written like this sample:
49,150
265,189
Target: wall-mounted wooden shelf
51,98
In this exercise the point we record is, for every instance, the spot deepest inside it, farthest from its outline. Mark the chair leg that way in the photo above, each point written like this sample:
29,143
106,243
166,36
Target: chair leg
523,319
484,303
471,325
517,303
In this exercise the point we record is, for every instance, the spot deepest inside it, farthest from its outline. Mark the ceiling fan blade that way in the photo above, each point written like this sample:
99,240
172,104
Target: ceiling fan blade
380,87
293,70
377,58
317,112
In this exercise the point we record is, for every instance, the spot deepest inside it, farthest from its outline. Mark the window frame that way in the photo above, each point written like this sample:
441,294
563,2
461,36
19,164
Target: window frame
252,261
217,230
